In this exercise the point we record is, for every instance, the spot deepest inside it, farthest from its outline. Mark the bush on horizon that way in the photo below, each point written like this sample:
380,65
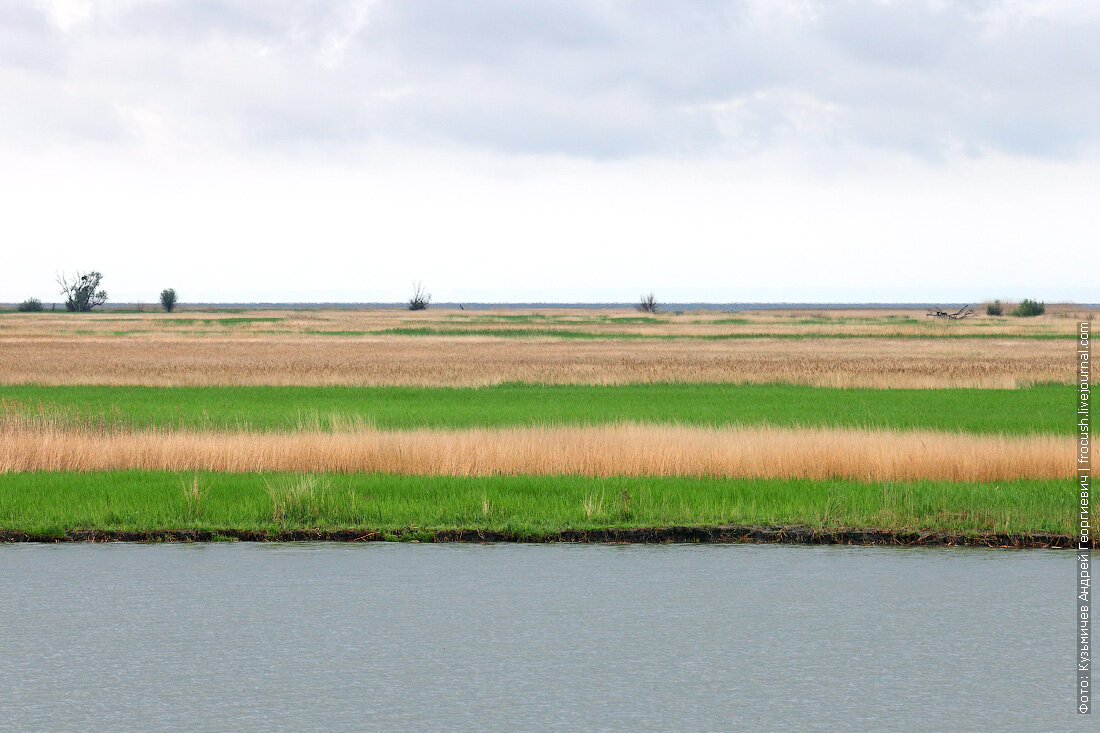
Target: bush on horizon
30,305
1029,307
648,304
420,299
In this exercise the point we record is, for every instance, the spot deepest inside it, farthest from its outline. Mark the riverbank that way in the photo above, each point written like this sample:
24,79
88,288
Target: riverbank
788,535
200,506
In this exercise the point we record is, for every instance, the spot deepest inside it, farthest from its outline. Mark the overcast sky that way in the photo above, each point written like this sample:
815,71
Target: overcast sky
511,150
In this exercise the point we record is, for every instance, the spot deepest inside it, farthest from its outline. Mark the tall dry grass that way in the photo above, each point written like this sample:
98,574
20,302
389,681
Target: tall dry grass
320,322
630,450
167,360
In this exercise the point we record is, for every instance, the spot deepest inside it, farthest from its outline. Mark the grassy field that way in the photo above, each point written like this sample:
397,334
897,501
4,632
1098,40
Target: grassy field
1058,323
444,361
1038,409
50,354
51,503
534,422
562,333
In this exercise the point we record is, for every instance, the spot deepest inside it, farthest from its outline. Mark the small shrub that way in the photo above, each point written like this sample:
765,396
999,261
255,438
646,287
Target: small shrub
1029,307
648,304
994,309
168,299
420,299
30,305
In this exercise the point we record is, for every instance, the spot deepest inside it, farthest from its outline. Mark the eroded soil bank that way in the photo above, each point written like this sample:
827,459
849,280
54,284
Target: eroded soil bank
715,534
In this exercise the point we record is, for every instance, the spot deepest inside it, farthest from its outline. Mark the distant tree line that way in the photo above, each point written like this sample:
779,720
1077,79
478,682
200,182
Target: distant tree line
1025,309
82,294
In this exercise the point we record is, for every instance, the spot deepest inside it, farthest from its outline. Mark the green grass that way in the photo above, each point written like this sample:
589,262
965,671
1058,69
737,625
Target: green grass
552,319
890,320
550,332
880,320
724,321
173,321
51,503
232,321
507,333
518,318
321,332
105,314
1038,409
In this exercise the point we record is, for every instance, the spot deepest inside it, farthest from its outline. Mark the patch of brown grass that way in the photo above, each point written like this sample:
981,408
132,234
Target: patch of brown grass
629,449
167,360
322,323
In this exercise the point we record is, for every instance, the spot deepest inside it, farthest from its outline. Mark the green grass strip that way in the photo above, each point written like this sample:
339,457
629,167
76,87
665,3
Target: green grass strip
551,320
626,336
51,503
1033,410
176,321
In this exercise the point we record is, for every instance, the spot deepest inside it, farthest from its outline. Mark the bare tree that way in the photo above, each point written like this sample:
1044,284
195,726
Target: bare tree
420,299
965,312
82,293
648,304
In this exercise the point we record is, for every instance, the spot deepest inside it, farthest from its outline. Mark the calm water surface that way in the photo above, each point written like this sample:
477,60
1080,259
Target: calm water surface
330,636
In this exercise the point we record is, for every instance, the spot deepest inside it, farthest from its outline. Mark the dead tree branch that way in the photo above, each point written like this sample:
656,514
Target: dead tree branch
965,312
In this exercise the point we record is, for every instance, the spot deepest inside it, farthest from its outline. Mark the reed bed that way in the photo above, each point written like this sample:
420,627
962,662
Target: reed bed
616,450
570,322
252,359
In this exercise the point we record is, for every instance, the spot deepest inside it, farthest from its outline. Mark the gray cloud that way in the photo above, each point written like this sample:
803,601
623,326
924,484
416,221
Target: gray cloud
579,78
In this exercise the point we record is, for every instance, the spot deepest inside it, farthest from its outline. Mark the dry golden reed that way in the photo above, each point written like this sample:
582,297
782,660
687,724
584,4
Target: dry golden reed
318,322
166,360
628,449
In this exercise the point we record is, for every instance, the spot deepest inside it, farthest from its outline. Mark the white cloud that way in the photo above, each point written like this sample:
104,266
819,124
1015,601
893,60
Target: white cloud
593,79
565,150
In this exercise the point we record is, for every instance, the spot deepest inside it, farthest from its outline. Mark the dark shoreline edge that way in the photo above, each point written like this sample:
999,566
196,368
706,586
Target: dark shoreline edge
773,534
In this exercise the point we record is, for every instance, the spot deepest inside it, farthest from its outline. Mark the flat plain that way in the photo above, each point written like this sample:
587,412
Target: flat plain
306,419
465,348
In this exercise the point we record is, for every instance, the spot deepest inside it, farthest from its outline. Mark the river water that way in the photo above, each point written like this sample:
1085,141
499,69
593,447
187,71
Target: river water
503,637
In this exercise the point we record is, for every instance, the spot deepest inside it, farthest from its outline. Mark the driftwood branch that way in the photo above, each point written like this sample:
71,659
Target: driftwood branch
965,312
